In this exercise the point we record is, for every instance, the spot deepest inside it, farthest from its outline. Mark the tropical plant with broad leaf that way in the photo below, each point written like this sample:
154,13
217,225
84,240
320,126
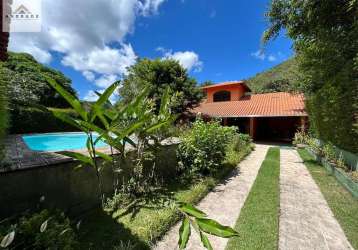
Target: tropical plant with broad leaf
199,221
135,124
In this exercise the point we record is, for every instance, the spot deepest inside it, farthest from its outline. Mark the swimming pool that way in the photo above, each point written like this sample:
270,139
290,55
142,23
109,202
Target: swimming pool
58,141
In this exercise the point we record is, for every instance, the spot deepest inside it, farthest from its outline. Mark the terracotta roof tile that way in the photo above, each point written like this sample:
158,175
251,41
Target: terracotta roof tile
270,104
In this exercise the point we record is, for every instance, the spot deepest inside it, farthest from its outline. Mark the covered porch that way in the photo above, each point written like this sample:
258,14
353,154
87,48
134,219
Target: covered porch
277,128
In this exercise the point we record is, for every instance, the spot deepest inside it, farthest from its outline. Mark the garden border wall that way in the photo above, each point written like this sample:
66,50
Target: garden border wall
72,191
339,174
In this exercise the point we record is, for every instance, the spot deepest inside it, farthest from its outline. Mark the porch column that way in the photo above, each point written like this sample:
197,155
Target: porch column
252,127
225,121
303,123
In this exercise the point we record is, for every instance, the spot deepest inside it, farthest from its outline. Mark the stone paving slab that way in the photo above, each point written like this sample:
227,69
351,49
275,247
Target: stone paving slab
223,203
306,221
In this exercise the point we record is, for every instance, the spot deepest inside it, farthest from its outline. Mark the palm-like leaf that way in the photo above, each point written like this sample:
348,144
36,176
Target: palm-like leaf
82,158
73,101
97,107
184,233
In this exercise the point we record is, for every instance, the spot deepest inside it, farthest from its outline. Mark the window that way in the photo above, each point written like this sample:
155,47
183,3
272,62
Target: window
222,96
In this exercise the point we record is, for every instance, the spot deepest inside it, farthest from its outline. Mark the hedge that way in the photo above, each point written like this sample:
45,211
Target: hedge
33,120
3,112
333,114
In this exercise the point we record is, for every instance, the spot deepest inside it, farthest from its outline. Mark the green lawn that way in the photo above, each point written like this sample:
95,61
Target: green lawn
258,221
343,205
148,219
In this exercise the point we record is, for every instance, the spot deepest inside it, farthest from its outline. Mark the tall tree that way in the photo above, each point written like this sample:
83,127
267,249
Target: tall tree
27,84
325,35
158,74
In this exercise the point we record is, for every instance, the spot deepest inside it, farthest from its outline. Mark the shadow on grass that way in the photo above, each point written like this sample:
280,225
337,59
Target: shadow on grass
103,231
159,199
100,231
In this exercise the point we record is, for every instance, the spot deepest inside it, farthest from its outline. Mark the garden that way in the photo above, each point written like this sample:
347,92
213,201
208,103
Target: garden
160,162
144,203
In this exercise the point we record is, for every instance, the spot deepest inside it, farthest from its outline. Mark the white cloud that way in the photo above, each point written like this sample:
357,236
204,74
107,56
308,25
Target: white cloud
103,61
188,59
91,96
261,55
106,80
90,35
272,58
89,75
150,6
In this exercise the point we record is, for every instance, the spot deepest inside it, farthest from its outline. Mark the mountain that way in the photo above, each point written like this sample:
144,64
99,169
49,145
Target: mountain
283,77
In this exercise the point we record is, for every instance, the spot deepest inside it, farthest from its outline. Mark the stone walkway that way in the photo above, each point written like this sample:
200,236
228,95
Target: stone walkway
223,203
306,221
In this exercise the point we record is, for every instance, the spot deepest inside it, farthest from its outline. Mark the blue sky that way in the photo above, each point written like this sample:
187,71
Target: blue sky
215,40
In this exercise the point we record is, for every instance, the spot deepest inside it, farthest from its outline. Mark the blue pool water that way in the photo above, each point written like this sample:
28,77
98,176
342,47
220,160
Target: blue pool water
58,141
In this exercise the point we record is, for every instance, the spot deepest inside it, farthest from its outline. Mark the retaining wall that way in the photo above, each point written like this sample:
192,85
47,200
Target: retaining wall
66,188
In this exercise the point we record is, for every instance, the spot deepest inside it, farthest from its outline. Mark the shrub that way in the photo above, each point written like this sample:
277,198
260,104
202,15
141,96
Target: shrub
239,146
203,148
34,120
328,152
3,113
300,138
41,231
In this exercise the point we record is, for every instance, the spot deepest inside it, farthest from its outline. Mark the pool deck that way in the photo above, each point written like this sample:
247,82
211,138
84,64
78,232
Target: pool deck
19,156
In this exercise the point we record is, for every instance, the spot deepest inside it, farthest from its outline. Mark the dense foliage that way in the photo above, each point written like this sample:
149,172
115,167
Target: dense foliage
27,84
25,119
42,230
239,146
203,148
159,74
283,77
325,35
3,112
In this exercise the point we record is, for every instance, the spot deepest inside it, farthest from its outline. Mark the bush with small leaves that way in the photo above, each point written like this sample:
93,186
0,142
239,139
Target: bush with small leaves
239,146
203,148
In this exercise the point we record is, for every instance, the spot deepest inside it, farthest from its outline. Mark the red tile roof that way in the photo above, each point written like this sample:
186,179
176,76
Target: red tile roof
227,84
259,105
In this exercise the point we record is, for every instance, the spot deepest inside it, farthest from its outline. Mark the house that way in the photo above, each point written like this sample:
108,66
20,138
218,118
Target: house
270,116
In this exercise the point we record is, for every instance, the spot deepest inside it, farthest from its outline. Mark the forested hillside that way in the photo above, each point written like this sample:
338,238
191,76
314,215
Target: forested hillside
26,81
26,88
283,77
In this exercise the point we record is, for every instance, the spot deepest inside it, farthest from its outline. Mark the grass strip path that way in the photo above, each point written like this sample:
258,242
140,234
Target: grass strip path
258,221
343,205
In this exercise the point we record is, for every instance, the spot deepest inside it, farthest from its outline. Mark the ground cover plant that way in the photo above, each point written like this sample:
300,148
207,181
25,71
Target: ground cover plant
117,127
343,205
257,224
328,152
39,230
